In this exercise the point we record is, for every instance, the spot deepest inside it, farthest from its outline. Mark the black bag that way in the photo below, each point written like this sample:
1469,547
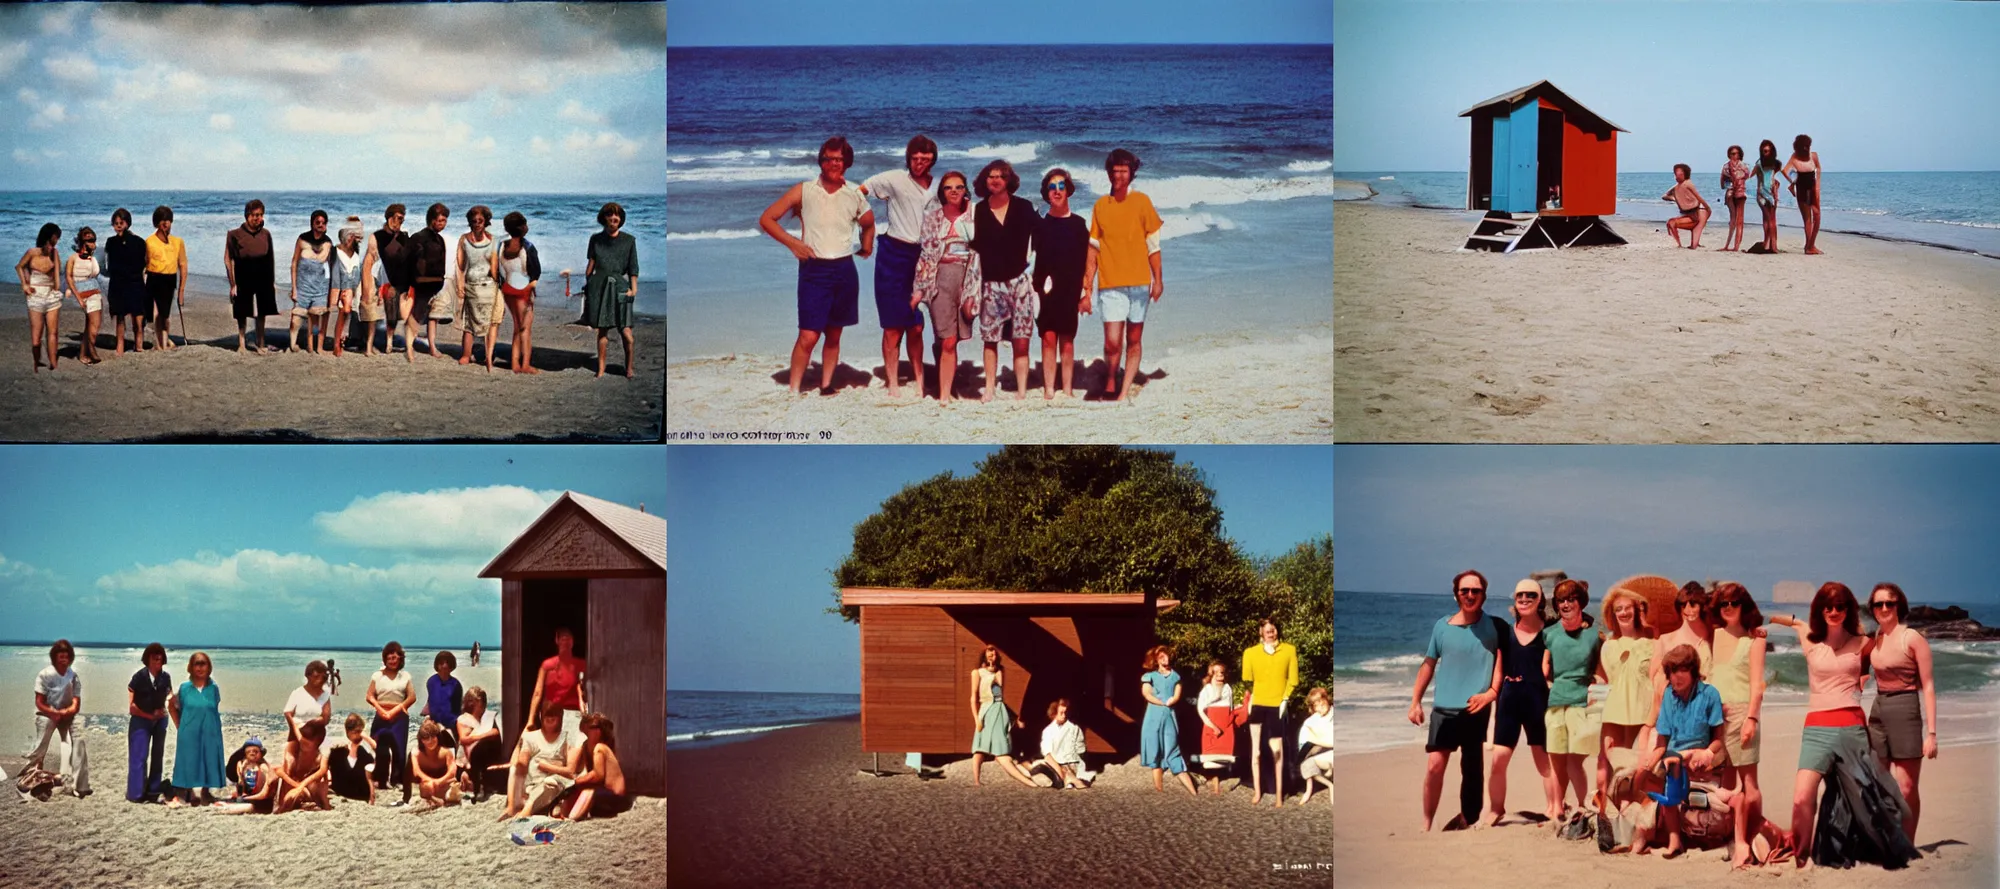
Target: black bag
1861,817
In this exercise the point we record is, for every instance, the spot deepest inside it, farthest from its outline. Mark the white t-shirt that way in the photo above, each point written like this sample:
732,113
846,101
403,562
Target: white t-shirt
1064,741
541,748
1318,729
827,221
1213,695
58,689
907,202
304,707
390,691
468,725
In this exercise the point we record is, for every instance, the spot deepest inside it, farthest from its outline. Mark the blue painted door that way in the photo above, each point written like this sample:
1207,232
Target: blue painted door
1522,128
1503,164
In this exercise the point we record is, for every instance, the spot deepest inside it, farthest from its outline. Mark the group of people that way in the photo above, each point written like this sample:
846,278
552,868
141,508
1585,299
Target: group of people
395,277
1800,173
969,265
564,764
1685,706
1271,668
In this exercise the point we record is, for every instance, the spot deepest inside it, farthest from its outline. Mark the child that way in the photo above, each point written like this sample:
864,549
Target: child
1316,744
303,777
444,697
541,770
1733,175
348,767
1219,719
435,771
1767,192
58,699
256,785
1062,750
600,780
1694,209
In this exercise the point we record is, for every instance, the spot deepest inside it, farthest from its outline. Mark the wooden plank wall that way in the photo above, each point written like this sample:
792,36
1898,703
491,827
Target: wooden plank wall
910,700
626,680
513,706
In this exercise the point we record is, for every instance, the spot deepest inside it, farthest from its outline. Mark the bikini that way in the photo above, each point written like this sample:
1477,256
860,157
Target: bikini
1808,181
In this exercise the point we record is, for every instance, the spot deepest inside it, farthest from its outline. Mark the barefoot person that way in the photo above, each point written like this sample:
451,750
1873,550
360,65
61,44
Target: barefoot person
478,284
253,275
58,700
1804,171
389,693
1625,663
1003,228
1062,750
1690,733
86,286
1836,656
1696,631
303,774
990,720
1271,669
1216,706
312,253
1570,662
1734,174
599,791
611,282
433,769
948,275
909,195
389,296
1316,744
1160,732
166,275
520,268
1767,171
197,712
125,281
1694,208
430,258
1460,654
829,293
1522,707
257,783
1062,247
478,744
43,288
1902,730
1739,680
559,685
541,769
1124,269
344,284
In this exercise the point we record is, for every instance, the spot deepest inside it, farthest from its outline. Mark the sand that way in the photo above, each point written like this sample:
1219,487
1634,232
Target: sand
206,391
103,840
1378,841
1235,388
1873,341
791,808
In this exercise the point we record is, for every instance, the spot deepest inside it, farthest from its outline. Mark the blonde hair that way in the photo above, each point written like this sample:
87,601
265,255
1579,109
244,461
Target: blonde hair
1639,609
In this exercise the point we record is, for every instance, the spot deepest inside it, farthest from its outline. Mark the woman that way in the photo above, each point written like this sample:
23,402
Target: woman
444,695
1523,702
990,719
344,282
1836,653
37,270
1569,663
1739,677
1625,662
1271,668
478,743
308,702
478,284
125,280
166,275
250,259
1002,229
86,286
389,299
599,790
312,252
146,701
1160,732
1767,192
1695,631
389,693
1734,174
948,275
197,712
611,282
1902,735
1062,243
520,268
1804,172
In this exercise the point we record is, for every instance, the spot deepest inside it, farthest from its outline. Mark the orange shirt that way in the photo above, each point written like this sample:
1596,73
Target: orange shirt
1120,229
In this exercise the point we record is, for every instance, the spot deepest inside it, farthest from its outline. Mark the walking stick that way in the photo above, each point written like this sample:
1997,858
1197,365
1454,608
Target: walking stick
181,305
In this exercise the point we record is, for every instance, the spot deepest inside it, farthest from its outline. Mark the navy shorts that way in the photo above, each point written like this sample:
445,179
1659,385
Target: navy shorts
1267,720
829,294
1456,728
1518,712
895,274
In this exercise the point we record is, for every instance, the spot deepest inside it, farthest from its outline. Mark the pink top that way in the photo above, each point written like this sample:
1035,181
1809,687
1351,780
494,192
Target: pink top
1895,665
1833,678
1735,172
1685,196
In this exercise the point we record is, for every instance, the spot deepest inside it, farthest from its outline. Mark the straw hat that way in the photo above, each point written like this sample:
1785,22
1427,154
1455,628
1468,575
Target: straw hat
1659,594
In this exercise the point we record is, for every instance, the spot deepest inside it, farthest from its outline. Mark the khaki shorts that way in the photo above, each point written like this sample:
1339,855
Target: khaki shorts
1571,729
1733,717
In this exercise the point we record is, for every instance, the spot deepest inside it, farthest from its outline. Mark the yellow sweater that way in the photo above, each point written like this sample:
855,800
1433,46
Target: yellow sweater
1271,676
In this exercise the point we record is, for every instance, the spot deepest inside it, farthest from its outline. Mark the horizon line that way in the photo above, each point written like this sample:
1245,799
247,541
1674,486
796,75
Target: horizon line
672,46
659,194
1670,170
102,644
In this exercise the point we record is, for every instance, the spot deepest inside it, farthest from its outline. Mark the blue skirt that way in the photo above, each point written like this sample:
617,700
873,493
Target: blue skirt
895,275
992,738
1160,740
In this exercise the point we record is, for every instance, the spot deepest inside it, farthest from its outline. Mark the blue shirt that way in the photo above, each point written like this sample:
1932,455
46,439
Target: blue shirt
1691,723
443,699
149,691
1464,659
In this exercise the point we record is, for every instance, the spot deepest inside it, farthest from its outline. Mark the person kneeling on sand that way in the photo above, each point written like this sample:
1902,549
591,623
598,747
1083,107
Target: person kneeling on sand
434,769
1690,727
1062,751
541,770
1694,209
303,776
600,781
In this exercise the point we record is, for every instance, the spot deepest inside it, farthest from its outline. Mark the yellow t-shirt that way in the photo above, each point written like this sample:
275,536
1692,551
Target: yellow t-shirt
1120,229
1271,677
167,258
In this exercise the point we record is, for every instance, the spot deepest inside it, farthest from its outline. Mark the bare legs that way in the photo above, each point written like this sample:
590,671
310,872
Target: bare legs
1051,345
1568,768
1770,227
1734,240
1809,216
829,357
1805,801
947,364
91,322
1007,764
1114,352
1257,759
1907,771
41,333
521,355
1497,792
1021,373
1609,736
1434,763
1186,779
894,340
1694,227
1133,332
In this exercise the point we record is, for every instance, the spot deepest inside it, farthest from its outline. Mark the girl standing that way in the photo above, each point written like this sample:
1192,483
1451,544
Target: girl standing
1062,244
1216,705
948,276
37,270
311,254
1570,663
990,719
389,693
1739,677
1159,733
1523,702
1767,171
1626,664
87,287
520,268
1003,229
1835,654
166,274
1734,173
125,270
1804,172
612,282
1903,735
197,712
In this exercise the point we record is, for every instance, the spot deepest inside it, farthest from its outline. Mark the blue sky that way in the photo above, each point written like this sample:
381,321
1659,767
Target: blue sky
1409,517
901,22
757,531
483,97
1879,86
310,546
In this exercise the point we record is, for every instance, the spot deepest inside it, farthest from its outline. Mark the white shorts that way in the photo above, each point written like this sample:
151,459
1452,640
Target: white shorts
94,302
1121,304
44,299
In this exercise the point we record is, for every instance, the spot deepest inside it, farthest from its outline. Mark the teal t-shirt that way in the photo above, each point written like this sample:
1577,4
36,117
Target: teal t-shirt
1573,660
1464,660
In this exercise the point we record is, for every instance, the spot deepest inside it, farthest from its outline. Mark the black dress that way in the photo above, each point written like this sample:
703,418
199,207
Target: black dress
1062,243
125,275
349,781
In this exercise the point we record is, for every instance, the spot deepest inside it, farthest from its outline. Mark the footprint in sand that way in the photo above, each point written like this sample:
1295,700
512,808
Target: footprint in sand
1512,405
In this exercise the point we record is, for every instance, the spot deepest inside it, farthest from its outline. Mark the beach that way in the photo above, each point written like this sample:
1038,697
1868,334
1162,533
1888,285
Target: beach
796,797
1874,341
1377,840
103,840
206,391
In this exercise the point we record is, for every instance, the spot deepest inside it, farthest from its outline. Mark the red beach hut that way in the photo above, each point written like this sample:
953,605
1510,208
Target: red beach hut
1544,167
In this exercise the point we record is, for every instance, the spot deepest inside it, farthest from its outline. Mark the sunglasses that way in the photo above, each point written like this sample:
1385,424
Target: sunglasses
1831,608
1470,590
1061,185
1885,603
1526,595
1733,603
1569,600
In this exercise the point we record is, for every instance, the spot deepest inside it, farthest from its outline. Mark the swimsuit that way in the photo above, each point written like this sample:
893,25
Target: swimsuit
1808,181
45,297
89,286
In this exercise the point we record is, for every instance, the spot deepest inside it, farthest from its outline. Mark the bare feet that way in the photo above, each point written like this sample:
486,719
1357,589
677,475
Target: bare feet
531,369
1815,251
465,358
628,371
1490,819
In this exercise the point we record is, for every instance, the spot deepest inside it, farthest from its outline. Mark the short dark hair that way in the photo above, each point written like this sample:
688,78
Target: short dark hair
1683,657
602,723
394,211
82,233
605,212
316,216
1684,168
395,648
478,211
837,145
314,730
428,730
315,667
253,206
49,235
1736,149
354,722
122,213
1692,591
153,648
444,659
515,224
62,646
1069,182
1902,601
1006,169
1483,585
1833,592
919,144
1571,588
162,213
1121,156
437,210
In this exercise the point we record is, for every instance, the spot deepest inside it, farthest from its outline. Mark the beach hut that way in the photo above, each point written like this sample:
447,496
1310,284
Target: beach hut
919,647
1544,168
600,569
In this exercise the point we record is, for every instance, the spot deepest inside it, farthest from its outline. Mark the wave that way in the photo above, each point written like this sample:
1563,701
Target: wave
1174,225
1014,153
1181,192
1314,167
1966,224
726,234
1392,662
738,173
762,154
730,732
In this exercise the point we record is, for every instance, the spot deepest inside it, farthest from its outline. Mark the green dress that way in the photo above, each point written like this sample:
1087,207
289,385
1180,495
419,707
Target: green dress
606,302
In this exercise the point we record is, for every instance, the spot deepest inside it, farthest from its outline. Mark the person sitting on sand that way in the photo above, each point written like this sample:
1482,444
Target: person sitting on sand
1061,244
253,275
948,275
312,254
347,767
909,194
1271,668
990,721
166,275
303,775
1219,714
1690,733
434,769
479,746
1804,171
541,769
1694,208
444,696
344,283
599,790
559,685
1159,731
1123,268
1461,653
41,284
58,700
1710,819
257,784
1062,750
388,297
1316,744
86,286
520,268
829,208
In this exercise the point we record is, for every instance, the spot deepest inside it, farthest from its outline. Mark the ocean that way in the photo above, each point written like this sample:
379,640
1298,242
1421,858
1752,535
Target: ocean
1236,144
1379,643
712,717
559,225
1959,211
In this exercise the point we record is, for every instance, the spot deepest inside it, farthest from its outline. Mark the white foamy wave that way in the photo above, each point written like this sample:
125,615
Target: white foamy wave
1386,178
1174,225
725,234
1862,212
728,732
1958,222
1180,192
759,154
767,172
1387,664
1014,153
1313,167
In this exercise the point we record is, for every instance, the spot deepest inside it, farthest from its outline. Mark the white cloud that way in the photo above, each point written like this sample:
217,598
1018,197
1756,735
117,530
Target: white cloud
540,147
60,19
25,588
48,116
226,152
574,111
27,96
485,145
604,142
290,583
302,119
71,68
23,156
12,54
220,121
114,156
465,520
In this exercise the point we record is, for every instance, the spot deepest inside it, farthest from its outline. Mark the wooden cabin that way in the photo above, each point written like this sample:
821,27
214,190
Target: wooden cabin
919,648
1536,151
600,569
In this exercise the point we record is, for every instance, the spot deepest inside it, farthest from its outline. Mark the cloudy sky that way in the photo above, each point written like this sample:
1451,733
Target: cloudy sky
448,97
303,546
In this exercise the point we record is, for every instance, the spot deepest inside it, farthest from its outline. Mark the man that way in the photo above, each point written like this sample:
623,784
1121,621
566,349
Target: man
1124,263
909,194
58,699
1461,654
392,247
429,302
1689,730
828,209
253,273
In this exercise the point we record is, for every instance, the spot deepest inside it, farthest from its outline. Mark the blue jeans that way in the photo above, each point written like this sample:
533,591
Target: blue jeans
142,776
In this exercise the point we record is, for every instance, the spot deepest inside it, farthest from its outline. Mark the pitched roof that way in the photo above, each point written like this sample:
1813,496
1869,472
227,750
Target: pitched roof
886,596
1570,105
645,533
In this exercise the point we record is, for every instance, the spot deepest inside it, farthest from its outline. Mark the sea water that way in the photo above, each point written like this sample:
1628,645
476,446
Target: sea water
722,716
1379,643
1236,144
1959,211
